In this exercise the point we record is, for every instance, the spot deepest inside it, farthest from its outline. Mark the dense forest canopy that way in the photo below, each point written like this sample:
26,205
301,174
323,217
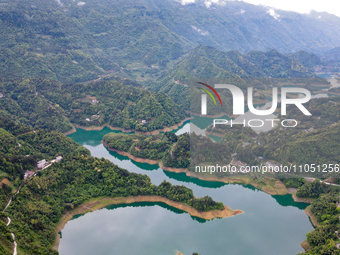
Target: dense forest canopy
42,103
173,151
261,70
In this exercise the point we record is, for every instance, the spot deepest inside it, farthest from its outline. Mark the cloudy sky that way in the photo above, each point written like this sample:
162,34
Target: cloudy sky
302,6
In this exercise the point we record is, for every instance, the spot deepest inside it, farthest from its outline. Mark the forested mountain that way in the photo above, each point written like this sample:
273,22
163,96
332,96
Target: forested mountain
307,59
315,140
204,62
233,64
73,41
22,102
315,147
332,57
76,41
41,103
326,62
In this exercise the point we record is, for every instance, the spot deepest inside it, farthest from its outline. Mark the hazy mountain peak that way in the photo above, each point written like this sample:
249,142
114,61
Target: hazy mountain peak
307,59
332,56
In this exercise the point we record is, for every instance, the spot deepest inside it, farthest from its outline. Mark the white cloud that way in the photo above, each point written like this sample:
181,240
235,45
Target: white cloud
274,14
60,3
184,2
80,3
301,6
204,33
207,3
241,12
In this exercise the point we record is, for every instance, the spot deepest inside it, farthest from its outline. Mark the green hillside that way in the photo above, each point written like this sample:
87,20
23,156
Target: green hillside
174,151
72,41
42,103
307,59
320,146
213,66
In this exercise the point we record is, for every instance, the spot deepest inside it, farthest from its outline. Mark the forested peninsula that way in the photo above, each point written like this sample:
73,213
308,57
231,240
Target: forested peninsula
49,194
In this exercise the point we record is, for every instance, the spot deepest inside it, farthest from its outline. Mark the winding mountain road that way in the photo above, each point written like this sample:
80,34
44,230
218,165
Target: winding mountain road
15,251
311,179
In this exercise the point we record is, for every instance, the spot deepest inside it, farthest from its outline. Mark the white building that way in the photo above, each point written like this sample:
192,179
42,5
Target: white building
59,158
1,95
41,163
28,174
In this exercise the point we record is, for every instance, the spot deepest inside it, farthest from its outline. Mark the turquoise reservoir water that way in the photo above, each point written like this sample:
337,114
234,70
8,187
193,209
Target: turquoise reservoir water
269,225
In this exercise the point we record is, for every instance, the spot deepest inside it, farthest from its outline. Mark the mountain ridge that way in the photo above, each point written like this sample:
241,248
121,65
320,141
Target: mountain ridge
73,41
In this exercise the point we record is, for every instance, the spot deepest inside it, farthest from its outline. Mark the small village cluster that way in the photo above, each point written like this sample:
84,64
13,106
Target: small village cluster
41,165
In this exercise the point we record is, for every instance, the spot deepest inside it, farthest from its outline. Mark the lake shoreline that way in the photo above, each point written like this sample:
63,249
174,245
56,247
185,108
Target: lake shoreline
99,128
98,203
130,156
312,217
73,130
272,188
280,189
315,223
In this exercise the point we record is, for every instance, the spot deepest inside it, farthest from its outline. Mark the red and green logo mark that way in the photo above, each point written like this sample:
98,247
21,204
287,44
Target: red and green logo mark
208,92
